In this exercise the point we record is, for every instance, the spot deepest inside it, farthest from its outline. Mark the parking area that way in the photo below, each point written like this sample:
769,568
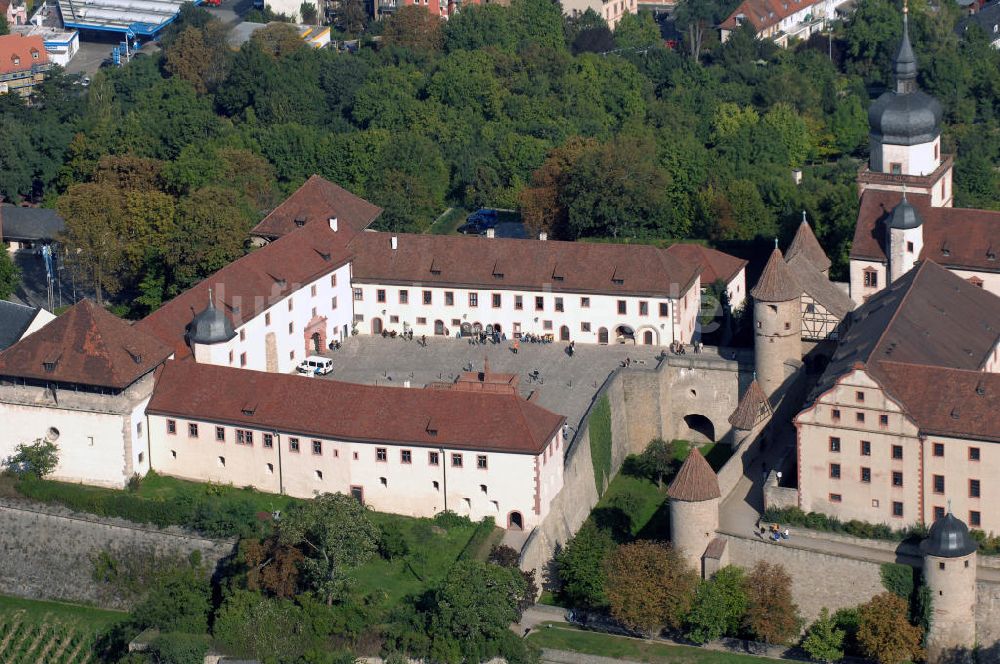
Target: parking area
564,385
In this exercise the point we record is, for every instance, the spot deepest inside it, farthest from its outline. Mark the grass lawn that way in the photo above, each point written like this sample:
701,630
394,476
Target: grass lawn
608,645
449,222
162,488
633,507
38,611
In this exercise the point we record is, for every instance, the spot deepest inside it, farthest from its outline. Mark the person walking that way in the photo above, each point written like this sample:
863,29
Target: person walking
516,346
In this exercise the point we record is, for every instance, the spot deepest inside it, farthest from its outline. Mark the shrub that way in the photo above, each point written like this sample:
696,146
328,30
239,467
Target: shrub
180,648
648,586
581,567
448,520
35,460
392,544
719,606
824,641
898,579
771,614
885,633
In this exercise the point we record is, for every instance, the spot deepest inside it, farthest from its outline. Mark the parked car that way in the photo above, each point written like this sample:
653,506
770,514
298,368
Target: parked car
314,364
480,221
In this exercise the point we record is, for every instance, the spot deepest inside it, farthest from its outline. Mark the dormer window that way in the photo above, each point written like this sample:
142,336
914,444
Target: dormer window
49,366
34,54
300,221
16,60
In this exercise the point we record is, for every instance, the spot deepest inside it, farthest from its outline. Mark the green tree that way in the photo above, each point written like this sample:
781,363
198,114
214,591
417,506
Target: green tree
637,31
872,35
885,633
278,39
784,127
37,459
480,26
415,28
4,26
10,275
539,23
268,629
649,586
658,459
179,601
771,615
95,232
478,600
307,11
336,534
210,232
720,604
581,567
824,641
190,58
180,648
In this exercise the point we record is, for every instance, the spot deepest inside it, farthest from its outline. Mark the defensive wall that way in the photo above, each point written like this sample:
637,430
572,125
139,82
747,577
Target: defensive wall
645,403
48,553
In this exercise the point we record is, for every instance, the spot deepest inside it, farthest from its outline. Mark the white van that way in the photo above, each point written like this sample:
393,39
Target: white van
314,364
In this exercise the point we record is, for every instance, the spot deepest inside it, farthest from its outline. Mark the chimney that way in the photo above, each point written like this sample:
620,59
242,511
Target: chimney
543,236
797,175
334,225
394,242
491,232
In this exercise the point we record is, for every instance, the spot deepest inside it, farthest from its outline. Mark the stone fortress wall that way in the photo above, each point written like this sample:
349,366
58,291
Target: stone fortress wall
48,552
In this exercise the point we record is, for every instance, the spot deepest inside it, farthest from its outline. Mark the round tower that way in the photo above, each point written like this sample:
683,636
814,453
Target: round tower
208,331
777,315
694,509
950,573
752,410
904,238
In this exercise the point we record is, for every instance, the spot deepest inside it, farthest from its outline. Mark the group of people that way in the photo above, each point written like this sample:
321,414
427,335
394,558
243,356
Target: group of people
772,531
678,347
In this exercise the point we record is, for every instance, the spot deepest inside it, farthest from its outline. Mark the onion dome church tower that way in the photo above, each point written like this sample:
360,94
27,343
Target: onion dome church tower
694,508
777,315
950,573
905,135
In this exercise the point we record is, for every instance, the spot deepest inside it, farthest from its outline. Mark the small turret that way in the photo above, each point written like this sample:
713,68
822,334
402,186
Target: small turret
950,573
211,326
753,409
904,238
777,318
694,508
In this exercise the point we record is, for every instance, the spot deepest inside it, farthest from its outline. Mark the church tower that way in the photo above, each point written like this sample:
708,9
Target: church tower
694,509
905,135
950,573
904,238
777,323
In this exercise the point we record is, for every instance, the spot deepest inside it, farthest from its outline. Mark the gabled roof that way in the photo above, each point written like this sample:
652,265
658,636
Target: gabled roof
696,481
14,320
21,52
86,345
806,245
715,264
763,14
818,286
953,237
27,223
776,283
479,262
328,409
317,201
752,409
245,287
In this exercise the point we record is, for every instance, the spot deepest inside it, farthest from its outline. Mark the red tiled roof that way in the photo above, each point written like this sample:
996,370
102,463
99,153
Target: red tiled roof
24,48
953,237
86,345
945,401
805,244
776,283
317,201
351,412
251,284
752,408
696,481
715,264
579,267
763,14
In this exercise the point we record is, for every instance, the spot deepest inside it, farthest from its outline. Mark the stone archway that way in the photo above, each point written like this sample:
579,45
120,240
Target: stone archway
699,429
648,336
376,326
563,333
315,335
602,335
515,521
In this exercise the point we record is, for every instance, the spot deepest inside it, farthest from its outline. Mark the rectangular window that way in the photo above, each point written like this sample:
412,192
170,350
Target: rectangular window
834,444
428,297
664,310
897,508
938,513
171,427
394,319
973,454
584,302
433,459
404,297
381,454
312,290
622,307
897,451
359,295
293,445
866,448
896,168
539,304
909,247
291,304
291,328
496,300
975,519
859,396
835,471
243,359
835,498
585,327
220,433
481,461
546,325
643,308
518,302
883,421
267,318
473,299
939,449
897,478
835,414
268,440
973,488
333,279
317,446
333,302
859,418
138,429
866,475
449,299
559,304
871,279
380,295
406,456
938,484
421,321
456,460
192,430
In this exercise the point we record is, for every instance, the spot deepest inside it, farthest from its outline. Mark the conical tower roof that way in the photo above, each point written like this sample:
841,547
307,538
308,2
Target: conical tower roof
696,480
805,244
776,283
904,216
904,65
753,408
